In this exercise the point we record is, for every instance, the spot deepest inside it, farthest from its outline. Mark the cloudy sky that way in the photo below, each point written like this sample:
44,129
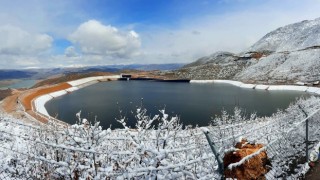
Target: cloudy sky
61,33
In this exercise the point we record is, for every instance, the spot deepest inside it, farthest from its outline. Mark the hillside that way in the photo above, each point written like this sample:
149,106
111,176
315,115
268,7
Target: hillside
43,73
285,55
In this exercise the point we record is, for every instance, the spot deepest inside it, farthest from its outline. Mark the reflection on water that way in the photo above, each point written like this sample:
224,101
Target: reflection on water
195,104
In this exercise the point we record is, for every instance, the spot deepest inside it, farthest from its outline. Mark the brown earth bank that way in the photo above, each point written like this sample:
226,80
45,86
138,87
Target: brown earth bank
12,106
5,93
255,168
11,97
10,100
69,77
26,100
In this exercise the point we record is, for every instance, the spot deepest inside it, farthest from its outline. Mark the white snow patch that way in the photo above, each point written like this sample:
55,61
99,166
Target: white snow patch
235,83
201,81
72,89
82,81
58,93
87,84
261,86
312,89
204,129
249,86
39,103
89,79
299,83
288,88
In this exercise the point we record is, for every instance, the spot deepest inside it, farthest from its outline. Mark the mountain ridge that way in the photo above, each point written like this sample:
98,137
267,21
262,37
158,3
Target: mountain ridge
284,56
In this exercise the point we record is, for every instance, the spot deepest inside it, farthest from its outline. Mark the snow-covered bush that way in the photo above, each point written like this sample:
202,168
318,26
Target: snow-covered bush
158,148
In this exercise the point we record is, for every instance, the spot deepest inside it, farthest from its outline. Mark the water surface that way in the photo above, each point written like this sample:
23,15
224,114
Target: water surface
194,103
17,83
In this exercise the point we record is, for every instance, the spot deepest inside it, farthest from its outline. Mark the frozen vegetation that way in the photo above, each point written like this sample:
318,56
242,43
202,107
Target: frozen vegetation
158,148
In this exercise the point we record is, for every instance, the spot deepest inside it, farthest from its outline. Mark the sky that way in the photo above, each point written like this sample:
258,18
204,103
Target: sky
76,33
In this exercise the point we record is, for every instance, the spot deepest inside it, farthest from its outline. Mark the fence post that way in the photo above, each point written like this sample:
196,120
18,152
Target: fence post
216,154
307,133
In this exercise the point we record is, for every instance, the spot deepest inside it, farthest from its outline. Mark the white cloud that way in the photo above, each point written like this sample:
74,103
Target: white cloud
233,31
94,38
71,52
16,41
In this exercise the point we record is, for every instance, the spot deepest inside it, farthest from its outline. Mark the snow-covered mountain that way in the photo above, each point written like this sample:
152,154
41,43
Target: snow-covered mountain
295,36
217,57
285,55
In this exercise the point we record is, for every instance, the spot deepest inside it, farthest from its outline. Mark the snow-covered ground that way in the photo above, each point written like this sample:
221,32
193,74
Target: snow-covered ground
291,37
294,66
312,90
169,152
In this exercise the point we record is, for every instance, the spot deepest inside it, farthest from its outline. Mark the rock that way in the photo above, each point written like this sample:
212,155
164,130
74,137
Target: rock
255,168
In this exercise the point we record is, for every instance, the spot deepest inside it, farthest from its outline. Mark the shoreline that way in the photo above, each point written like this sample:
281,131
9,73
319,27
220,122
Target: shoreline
308,89
34,103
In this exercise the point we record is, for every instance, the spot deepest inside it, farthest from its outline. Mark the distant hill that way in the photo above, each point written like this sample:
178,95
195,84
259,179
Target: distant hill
218,57
16,74
44,73
285,55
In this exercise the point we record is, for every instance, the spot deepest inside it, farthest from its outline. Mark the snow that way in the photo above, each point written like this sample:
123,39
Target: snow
89,79
235,83
282,67
261,86
258,86
312,89
249,86
288,88
169,152
201,81
299,83
58,93
89,83
39,103
204,129
291,37
71,89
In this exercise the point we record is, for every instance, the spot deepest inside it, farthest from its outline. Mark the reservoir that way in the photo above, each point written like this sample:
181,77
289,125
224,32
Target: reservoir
194,103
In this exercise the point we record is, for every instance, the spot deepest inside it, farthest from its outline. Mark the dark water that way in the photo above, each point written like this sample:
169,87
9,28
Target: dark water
194,103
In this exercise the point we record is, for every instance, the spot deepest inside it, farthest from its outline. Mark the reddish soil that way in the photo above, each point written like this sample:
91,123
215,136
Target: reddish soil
255,168
27,100
26,97
69,77
9,104
5,93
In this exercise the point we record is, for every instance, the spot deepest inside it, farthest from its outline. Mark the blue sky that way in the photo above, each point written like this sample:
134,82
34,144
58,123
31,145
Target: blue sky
44,33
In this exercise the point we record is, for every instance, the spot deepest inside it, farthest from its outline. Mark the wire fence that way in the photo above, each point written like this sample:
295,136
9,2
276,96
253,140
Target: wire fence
286,141
49,152
53,149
